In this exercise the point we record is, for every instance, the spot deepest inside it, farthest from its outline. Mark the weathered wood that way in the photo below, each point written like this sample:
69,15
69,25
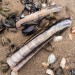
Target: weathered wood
37,15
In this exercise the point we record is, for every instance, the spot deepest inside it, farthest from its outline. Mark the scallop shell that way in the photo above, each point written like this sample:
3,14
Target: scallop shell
50,72
63,63
51,59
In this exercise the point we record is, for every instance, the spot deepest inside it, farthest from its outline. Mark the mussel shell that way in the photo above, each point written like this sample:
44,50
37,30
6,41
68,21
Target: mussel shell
2,27
59,71
73,72
9,23
28,30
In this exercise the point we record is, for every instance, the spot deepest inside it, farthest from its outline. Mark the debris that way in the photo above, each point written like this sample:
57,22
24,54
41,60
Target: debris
14,30
5,41
14,73
44,5
37,15
63,63
73,72
29,30
49,72
51,59
4,66
57,38
45,64
59,71
36,42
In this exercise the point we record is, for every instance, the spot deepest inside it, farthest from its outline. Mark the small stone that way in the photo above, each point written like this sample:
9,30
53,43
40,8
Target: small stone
49,72
14,73
63,63
51,59
45,64
57,38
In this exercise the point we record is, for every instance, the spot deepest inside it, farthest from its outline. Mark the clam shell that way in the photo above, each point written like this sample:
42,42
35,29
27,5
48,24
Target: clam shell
57,38
63,63
50,72
51,59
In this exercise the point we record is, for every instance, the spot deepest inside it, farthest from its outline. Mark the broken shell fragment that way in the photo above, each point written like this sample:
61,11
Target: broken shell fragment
45,64
63,63
57,38
51,59
49,72
70,36
14,73
73,30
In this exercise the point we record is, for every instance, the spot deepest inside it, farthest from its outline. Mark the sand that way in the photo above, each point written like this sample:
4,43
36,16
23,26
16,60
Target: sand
64,48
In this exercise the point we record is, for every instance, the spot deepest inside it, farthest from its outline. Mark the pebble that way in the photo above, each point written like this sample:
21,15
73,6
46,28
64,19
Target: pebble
45,64
57,38
49,72
63,63
51,59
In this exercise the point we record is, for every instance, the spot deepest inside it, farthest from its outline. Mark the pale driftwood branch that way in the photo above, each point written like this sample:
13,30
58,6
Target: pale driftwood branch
38,14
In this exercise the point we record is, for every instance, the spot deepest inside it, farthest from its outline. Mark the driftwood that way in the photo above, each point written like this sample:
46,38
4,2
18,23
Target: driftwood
29,48
37,15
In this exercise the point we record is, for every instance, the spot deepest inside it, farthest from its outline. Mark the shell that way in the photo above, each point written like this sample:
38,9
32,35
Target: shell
45,64
51,59
57,38
44,5
14,73
73,30
70,36
50,72
63,63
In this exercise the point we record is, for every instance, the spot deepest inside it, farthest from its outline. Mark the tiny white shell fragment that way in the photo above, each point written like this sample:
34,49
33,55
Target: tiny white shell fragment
51,59
63,63
70,36
45,64
14,73
50,72
22,16
57,38
44,5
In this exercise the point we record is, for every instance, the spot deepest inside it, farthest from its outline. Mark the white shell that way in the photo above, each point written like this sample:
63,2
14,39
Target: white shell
14,73
51,59
57,38
22,16
50,72
63,63
44,5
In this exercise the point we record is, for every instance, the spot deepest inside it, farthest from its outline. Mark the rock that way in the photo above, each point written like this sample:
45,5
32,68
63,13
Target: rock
49,72
57,38
51,59
14,73
45,64
63,63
